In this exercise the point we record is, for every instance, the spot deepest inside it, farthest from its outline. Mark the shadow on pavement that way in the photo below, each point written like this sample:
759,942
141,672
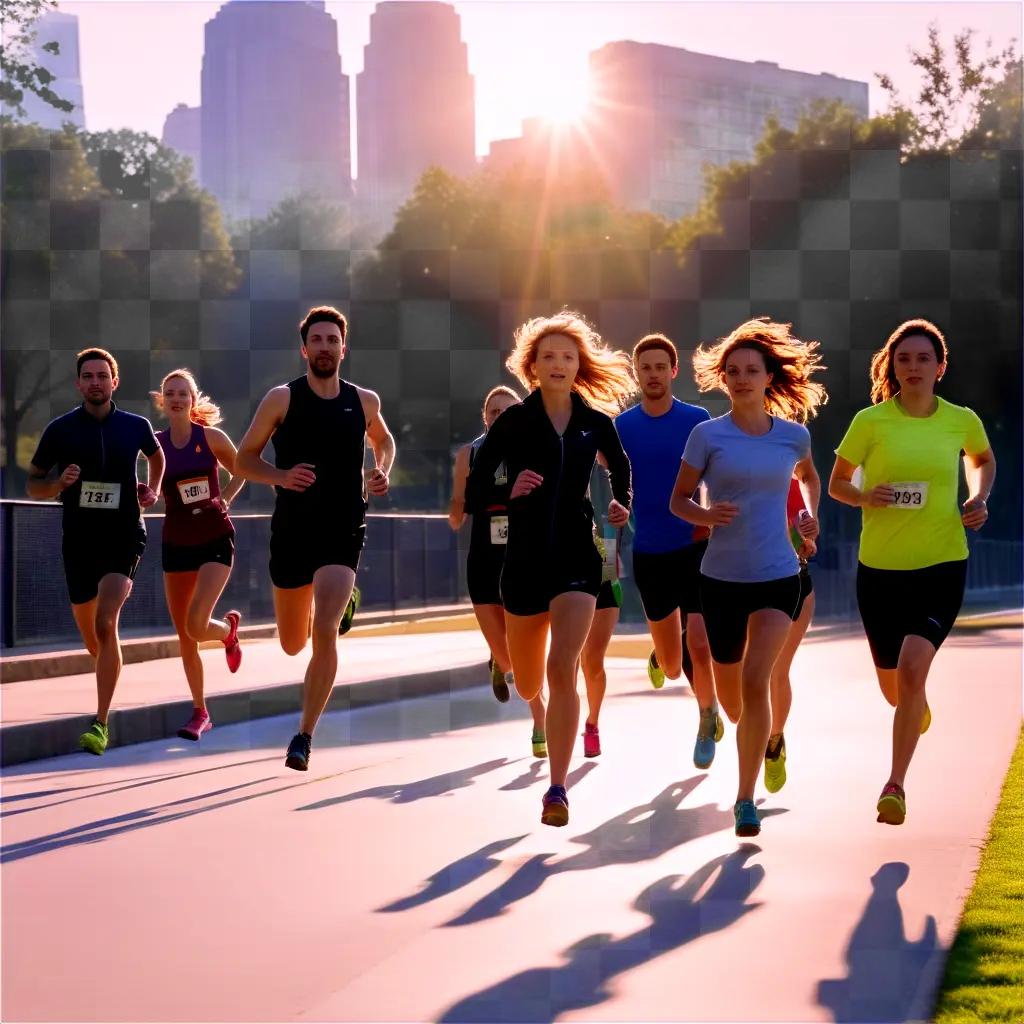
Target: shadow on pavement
677,916
884,970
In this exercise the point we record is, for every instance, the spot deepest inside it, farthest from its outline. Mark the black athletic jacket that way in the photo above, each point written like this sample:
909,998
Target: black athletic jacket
555,519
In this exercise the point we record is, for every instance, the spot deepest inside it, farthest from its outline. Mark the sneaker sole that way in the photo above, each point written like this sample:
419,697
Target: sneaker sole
748,831
540,753
556,815
772,782
88,748
890,812
500,691
596,753
702,766
194,736
297,764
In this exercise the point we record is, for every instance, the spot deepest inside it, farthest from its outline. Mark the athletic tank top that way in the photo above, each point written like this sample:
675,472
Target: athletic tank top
498,497
191,490
330,435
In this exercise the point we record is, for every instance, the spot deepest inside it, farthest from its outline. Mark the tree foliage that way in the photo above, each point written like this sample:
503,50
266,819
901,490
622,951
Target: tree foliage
19,72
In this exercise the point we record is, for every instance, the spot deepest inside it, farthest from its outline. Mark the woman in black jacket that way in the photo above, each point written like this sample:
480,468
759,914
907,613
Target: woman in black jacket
552,570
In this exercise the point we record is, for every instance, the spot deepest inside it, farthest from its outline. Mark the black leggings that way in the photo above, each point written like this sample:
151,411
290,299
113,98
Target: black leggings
728,606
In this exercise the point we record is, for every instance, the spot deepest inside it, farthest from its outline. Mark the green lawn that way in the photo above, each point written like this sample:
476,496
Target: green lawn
984,978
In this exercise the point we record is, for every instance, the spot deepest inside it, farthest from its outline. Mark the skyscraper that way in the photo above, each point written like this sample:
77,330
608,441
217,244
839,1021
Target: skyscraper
662,112
182,128
415,103
275,106
57,27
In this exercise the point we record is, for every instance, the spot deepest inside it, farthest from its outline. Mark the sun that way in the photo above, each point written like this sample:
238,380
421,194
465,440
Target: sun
566,101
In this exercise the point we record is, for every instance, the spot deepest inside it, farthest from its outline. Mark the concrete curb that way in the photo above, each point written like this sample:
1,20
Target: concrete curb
53,737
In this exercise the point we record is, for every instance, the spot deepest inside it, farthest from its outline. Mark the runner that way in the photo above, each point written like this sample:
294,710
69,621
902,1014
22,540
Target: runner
552,571
913,549
95,448
487,556
801,530
198,538
319,425
749,582
666,550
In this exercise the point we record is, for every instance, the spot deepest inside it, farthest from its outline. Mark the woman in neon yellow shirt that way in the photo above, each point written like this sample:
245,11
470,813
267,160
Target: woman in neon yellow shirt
913,548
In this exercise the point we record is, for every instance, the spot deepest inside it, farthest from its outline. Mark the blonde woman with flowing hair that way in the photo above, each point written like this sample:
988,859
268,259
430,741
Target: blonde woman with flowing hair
552,570
749,575
198,538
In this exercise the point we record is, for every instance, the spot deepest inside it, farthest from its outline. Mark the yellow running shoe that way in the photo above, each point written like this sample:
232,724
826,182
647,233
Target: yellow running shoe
927,720
775,766
655,672
95,738
539,743
892,805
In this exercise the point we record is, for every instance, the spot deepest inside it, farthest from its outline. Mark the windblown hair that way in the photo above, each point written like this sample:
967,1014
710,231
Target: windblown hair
605,377
203,411
792,394
884,384
501,389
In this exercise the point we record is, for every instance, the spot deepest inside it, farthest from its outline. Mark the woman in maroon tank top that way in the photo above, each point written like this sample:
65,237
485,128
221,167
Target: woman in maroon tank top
198,538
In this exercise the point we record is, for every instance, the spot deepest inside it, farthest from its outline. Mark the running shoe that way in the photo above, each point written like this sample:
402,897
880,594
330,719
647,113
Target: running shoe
775,765
232,648
498,684
556,807
747,821
687,661
298,752
892,805
655,672
591,741
350,611
927,720
539,743
95,738
709,732
199,723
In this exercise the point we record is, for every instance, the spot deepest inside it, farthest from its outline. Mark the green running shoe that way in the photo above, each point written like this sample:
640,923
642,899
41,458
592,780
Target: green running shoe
95,738
892,805
498,684
775,766
655,672
350,611
539,743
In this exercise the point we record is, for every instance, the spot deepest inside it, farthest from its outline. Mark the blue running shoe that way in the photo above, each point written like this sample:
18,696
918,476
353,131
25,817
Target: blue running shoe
298,752
708,734
747,821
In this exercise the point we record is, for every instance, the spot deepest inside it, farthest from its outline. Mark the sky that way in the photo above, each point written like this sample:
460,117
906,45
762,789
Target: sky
140,58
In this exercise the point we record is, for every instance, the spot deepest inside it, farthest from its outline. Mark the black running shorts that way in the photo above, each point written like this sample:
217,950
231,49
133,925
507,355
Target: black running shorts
897,603
806,589
610,595
87,559
298,550
669,580
483,571
190,557
727,607
527,588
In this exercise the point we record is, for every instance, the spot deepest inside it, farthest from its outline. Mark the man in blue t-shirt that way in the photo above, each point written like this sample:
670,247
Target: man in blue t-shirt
666,552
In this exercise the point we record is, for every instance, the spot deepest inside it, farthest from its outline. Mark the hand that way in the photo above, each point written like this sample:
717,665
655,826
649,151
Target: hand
975,513
618,515
878,497
147,496
377,483
808,527
299,477
722,513
807,550
526,482
70,476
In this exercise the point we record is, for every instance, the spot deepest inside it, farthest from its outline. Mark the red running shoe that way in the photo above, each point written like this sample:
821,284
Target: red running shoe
591,741
232,648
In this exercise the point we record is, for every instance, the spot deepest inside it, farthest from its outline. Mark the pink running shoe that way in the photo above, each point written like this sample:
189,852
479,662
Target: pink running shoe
232,648
199,723
591,741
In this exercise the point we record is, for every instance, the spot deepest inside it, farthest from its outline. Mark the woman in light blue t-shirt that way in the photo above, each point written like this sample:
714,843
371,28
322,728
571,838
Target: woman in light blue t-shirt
750,572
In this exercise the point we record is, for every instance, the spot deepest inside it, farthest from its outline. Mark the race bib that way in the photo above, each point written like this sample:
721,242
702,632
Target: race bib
910,495
194,489
499,529
96,494
501,476
609,559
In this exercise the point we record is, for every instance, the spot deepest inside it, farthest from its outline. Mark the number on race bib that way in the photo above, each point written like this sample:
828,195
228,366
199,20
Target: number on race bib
499,529
194,489
100,495
912,495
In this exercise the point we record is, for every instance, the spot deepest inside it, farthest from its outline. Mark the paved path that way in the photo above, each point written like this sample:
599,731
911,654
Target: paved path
407,877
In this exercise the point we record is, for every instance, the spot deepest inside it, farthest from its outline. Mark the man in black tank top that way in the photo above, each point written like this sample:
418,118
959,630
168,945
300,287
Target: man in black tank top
319,425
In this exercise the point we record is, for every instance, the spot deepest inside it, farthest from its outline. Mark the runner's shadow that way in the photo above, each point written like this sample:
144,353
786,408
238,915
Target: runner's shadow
677,916
409,792
645,832
884,970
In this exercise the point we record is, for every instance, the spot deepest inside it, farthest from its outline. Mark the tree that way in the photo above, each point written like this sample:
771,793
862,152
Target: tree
19,73
958,88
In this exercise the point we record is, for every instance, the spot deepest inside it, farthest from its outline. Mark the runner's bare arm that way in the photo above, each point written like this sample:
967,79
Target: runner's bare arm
457,507
156,463
381,441
249,461
224,449
41,489
842,488
681,504
981,474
